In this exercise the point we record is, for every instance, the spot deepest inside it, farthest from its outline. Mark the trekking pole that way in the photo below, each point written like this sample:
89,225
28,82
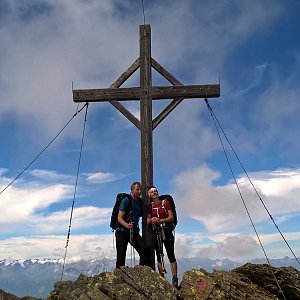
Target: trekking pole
160,236
162,232
131,241
133,255
132,244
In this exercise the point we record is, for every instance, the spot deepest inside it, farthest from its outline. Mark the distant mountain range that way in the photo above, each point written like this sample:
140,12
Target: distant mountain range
36,277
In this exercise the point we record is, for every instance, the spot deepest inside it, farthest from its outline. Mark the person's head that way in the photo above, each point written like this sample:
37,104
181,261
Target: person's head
136,189
152,192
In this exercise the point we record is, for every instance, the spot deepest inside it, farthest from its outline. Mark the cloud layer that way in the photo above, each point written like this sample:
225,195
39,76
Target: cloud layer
48,44
221,208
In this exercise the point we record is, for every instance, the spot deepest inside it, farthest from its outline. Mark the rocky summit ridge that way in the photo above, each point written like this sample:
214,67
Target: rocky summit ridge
250,281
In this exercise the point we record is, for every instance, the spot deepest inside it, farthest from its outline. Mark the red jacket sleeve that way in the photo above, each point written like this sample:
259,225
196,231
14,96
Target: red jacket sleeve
168,206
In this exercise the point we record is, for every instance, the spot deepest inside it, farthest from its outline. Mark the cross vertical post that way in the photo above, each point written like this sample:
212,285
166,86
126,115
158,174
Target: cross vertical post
146,126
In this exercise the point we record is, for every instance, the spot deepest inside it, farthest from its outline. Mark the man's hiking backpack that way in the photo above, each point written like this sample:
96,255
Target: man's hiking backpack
114,215
170,199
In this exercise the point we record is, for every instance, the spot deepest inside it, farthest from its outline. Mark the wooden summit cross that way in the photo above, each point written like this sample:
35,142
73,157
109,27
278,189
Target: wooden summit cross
145,93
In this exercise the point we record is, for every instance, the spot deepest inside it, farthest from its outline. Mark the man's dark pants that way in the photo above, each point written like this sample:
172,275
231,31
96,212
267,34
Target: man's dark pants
122,240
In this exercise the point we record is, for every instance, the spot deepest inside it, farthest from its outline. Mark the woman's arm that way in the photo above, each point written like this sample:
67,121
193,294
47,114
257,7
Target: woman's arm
170,217
149,221
152,220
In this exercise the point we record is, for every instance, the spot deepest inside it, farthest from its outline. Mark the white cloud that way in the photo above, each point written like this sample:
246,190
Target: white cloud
50,175
220,208
186,245
26,207
53,246
82,218
276,237
255,81
2,171
83,246
277,247
100,177
279,190
276,114
233,247
53,46
219,26
184,138
18,205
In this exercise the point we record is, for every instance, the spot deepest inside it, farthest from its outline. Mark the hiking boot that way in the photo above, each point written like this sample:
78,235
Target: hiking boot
175,282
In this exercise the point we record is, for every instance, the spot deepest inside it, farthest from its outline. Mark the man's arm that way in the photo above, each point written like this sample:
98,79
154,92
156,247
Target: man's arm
121,220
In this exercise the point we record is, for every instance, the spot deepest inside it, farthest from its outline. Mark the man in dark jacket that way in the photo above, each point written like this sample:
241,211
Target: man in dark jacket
127,230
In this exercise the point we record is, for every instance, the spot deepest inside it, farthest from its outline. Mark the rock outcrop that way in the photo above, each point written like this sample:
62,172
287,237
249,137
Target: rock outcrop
8,296
126,283
197,284
263,275
248,282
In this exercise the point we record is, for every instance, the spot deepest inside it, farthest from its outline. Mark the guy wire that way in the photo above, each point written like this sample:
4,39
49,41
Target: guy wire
143,9
242,198
235,154
75,190
29,165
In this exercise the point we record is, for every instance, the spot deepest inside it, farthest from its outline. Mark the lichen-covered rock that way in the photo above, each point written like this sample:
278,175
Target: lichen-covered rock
140,283
249,282
196,284
288,279
200,285
84,288
148,282
8,296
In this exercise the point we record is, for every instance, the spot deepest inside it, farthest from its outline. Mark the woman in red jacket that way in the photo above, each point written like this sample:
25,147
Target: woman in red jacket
160,215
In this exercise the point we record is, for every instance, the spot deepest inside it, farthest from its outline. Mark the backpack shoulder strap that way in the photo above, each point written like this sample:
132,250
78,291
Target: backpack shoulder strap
163,205
129,206
151,204
153,208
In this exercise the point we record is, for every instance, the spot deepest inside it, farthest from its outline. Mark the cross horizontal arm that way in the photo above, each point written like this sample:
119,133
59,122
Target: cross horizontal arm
157,92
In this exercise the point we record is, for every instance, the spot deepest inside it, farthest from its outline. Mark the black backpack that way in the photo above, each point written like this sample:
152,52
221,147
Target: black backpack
170,199
114,215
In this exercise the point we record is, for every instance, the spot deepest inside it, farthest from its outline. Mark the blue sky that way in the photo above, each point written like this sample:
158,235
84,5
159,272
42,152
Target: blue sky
252,46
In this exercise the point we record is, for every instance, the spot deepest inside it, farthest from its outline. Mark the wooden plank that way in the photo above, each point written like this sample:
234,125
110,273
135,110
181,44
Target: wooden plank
158,92
122,109
144,94
126,113
171,106
100,95
161,70
126,74
146,130
165,112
